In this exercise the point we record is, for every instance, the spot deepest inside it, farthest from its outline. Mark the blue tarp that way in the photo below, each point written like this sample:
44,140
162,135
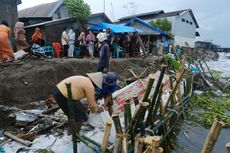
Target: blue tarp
115,28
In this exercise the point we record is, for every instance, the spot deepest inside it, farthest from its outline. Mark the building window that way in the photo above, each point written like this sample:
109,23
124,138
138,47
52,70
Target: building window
191,23
187,21
183,20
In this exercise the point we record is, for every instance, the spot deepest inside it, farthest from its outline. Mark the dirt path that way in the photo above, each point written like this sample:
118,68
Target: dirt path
32,80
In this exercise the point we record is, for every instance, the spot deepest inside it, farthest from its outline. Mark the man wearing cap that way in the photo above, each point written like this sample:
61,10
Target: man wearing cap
105,85
104,53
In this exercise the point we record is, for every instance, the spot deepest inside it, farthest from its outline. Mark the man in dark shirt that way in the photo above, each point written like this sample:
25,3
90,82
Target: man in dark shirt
104,53
110,38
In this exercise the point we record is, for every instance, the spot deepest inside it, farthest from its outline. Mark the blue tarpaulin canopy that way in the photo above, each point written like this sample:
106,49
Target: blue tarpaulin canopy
115,28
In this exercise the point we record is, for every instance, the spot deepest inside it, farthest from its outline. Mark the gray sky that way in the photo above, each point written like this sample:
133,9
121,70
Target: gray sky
212,15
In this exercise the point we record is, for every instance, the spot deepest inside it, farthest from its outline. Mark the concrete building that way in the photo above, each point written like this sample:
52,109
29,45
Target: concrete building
184,24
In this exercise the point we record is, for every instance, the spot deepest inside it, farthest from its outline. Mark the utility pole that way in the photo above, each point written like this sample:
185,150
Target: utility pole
104,10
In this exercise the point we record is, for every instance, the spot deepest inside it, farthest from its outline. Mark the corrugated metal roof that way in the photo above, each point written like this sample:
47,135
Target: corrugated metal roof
161,14
153,13
43,10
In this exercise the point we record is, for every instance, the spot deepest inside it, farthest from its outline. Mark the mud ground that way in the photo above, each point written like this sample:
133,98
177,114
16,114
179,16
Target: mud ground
33,79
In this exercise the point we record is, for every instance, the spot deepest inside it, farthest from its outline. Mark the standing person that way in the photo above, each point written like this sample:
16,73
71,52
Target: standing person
20,36
90,39
104,53
81,87
82,43
6,52
71,36
110,38
37,37
135,46
65,41
125,44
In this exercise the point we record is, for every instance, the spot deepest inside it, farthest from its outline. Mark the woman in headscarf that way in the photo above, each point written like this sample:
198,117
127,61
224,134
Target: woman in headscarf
82,43
37,36
20,36
90,39
71,36
6,52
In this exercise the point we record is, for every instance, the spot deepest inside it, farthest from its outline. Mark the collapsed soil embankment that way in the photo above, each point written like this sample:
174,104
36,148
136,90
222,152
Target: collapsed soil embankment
32,80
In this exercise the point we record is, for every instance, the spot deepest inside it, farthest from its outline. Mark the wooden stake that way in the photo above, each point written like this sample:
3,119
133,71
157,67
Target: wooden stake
24,142
106,135
212,136
228,147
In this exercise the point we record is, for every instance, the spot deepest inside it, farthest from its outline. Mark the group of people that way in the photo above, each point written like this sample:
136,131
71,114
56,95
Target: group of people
21,45
85,41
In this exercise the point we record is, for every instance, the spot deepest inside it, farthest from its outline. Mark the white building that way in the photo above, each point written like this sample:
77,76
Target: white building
184,24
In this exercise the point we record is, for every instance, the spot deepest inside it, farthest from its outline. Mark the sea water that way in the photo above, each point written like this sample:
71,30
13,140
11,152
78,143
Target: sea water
222,64
191,138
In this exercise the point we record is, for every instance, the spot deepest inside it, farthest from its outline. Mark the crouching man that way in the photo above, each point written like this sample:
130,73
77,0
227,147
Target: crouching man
81,87
85,87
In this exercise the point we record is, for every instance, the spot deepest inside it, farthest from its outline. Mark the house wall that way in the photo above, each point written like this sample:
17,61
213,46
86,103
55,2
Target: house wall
60,13
96,20
52,33
9,12
182,31
185,30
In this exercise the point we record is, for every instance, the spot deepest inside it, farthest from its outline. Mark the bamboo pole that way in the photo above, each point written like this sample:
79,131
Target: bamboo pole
228,147
212,136
124,143
72,117
117,123
136,101
106,135
128,114
118,141
117,145
157,104
141,107
139,144
171,88
173,91
149,118
178,87
148,88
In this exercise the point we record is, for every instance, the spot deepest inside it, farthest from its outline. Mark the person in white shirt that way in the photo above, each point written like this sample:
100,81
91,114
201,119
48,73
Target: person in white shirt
71,36
65,41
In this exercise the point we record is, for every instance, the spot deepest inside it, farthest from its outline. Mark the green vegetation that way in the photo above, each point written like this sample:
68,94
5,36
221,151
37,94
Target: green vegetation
78,9
207,107
173,63
216,74
162,24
